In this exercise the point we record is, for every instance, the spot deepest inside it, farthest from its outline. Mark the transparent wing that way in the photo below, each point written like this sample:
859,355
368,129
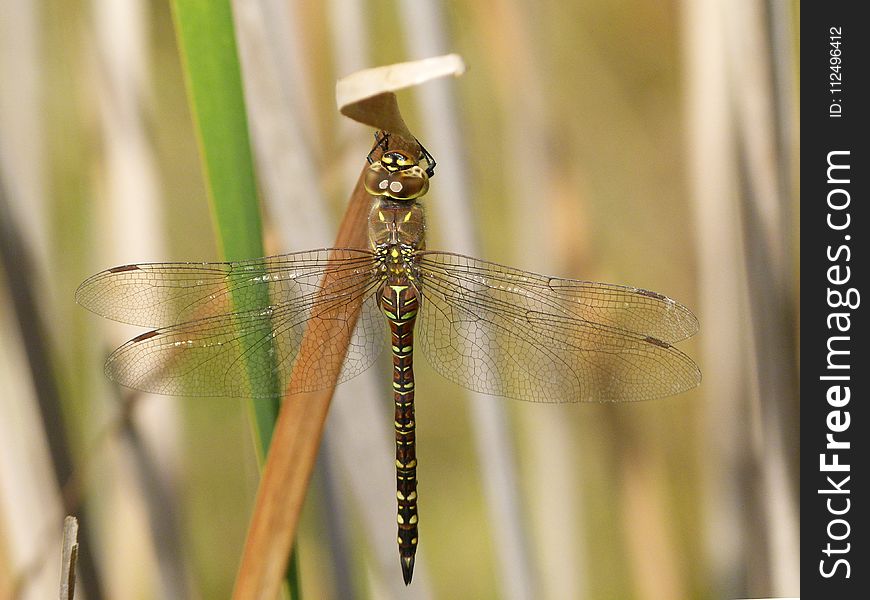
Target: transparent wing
249,352
161,294
506,332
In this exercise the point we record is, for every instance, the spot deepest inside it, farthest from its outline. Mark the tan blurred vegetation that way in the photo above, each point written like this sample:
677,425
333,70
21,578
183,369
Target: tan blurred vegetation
645,143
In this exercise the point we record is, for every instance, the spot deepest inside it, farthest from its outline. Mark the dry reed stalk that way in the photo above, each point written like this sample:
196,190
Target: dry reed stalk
297,435
69,557
367,97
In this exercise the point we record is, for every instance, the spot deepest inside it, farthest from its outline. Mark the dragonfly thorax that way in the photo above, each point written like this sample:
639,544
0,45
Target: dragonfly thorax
394,223
397,262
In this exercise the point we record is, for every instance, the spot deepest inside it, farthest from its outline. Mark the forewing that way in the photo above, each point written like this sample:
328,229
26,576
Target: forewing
163,294
627,308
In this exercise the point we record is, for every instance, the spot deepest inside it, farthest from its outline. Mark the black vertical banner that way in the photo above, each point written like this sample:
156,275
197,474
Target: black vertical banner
835,56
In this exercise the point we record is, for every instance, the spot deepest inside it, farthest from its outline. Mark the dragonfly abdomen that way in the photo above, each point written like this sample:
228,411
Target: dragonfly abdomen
399,303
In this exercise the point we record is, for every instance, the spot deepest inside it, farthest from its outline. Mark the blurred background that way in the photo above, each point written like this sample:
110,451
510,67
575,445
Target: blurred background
638,142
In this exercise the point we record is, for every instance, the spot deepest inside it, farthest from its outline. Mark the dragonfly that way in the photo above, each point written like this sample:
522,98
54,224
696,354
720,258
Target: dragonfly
236,328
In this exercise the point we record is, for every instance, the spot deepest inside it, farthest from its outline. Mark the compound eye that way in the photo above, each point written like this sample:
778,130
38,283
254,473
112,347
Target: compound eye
408,184
377,180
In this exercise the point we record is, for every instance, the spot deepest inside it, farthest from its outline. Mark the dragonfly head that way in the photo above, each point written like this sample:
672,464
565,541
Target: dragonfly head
396,174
